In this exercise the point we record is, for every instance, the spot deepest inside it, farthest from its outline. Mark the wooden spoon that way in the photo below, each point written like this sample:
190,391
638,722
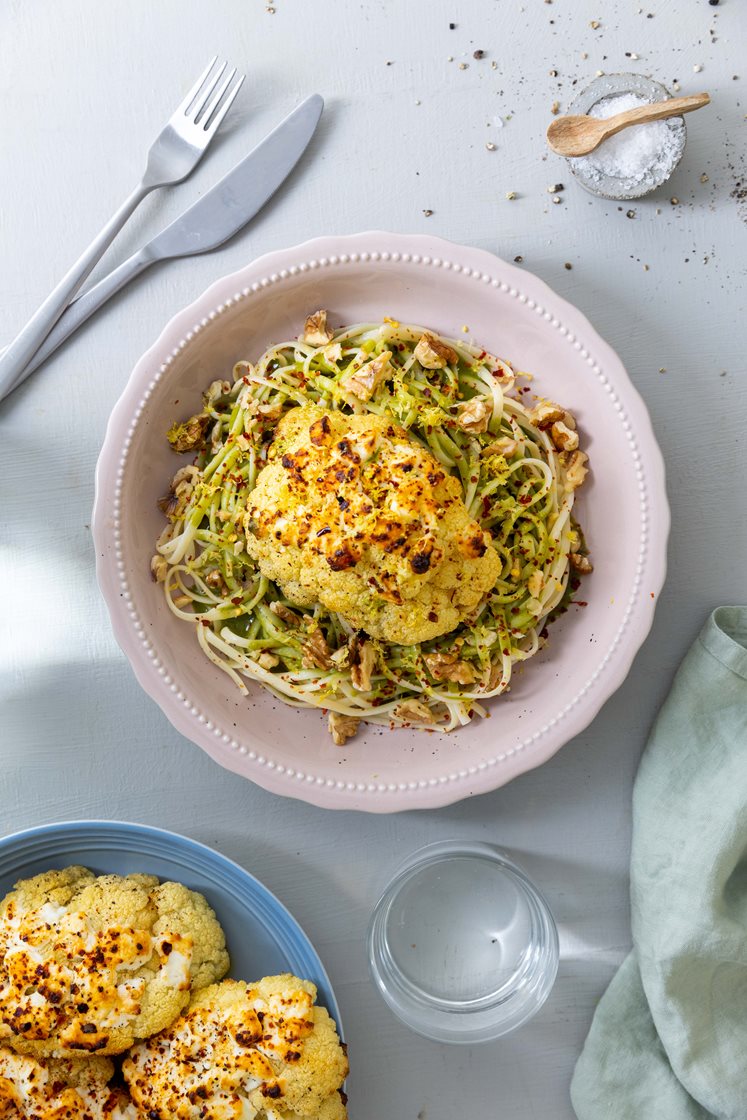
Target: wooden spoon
577,136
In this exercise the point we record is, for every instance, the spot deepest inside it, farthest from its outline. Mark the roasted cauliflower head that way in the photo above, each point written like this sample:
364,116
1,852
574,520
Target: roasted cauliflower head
89,965
243,1051
351,512
60,1089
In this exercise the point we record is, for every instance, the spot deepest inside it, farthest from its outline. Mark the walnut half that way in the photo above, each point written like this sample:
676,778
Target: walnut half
581,563
363,382
574,465
315,653
342,727
564,438
448,667
159,568
474,415
546,413
315,331
362,664
432,353
285,613
414,711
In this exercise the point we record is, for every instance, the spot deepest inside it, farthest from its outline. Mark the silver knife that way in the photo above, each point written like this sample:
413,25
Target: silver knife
207,224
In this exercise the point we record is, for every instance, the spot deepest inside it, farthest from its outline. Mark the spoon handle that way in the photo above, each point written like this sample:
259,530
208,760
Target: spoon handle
656,111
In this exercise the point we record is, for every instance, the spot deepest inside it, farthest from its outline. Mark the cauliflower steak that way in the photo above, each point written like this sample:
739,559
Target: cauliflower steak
60,1089
89,965
353,513
243,1051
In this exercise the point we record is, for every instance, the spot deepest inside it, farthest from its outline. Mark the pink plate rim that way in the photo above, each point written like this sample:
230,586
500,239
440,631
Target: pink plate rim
375,246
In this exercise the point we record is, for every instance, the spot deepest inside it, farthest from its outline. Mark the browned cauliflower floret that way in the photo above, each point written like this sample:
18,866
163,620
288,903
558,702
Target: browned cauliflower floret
60,1089
262,1050
352,513
90,964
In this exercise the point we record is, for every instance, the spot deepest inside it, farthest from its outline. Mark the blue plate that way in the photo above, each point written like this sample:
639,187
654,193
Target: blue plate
263,937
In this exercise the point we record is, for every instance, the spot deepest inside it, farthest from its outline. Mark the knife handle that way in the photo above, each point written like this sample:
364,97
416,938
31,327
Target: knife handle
84,306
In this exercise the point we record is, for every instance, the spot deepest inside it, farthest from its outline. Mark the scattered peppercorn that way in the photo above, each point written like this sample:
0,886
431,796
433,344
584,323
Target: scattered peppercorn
478,54
630,213
428,213
518,259
568,265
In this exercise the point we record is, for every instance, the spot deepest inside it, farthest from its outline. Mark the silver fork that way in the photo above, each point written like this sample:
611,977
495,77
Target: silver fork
173,155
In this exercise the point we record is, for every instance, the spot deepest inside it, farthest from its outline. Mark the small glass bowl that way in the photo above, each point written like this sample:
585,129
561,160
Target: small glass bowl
461,945
613,85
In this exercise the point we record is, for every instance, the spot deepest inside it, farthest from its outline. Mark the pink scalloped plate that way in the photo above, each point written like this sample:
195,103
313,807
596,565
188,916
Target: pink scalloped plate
623,509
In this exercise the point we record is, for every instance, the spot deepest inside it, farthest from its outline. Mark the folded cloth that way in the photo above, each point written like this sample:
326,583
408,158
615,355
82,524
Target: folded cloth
669,1037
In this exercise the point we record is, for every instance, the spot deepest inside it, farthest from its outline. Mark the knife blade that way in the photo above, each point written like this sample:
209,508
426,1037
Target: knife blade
208,223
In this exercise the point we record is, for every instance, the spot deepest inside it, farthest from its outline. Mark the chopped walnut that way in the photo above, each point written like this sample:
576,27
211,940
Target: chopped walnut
474,415
190,435
270,411
504,446
573,463
581,563
285,613
333,353
535,583
268,660
364,381
362,663
159,568
414,711
214,390
342,727
188,474
315,331
564,438
448,667
215,580
315,653
432,353
182,485
496,675
546,413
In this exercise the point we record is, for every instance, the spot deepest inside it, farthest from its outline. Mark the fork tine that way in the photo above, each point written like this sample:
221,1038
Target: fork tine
186,104
215,100
211,125
199,110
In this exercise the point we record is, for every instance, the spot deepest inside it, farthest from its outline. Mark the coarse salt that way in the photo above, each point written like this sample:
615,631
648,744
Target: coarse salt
640,152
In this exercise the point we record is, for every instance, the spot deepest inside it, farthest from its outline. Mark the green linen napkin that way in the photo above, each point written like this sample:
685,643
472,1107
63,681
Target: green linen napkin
669,1037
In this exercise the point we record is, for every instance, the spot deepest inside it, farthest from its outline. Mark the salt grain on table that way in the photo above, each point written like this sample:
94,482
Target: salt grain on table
640,152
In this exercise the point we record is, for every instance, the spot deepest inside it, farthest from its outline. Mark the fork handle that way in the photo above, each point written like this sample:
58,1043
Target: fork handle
84,306
25,345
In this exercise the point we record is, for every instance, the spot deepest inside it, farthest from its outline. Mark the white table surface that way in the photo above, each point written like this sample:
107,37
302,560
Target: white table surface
85,86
